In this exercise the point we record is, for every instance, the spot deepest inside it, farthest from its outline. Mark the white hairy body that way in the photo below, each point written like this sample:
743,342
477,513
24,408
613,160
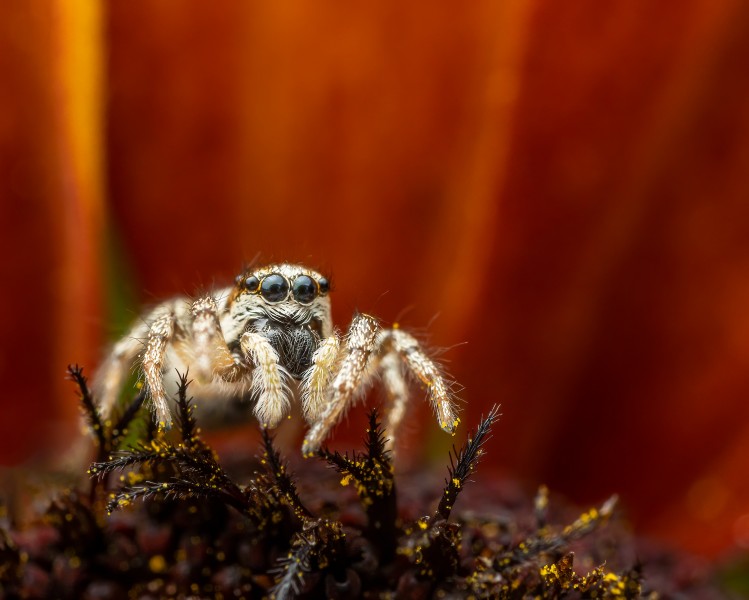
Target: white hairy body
253,342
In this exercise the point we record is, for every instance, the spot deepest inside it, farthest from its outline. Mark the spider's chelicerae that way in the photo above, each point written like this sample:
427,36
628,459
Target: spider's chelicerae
270,337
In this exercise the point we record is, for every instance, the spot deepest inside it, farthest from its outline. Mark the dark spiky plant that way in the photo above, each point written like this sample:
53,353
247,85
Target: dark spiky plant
183,525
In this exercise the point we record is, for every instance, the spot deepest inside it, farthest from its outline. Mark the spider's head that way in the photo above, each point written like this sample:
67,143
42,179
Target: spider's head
289,305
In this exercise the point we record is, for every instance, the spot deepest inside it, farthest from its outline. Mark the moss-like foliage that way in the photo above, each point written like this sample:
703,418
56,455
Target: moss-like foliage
175,523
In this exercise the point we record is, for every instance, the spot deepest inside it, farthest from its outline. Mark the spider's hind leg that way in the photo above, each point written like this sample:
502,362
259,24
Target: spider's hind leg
110,377
396,389
160,335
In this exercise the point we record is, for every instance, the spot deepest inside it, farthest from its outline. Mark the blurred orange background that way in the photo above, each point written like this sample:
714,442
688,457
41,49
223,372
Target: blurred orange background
563,186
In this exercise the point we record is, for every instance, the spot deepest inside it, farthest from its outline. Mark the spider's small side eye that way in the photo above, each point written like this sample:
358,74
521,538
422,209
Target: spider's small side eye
304,289
324,285
251,283
274,288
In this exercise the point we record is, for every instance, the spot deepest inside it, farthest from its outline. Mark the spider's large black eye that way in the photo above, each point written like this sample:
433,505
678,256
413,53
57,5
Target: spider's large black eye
274,288
304,289
251,283
324,285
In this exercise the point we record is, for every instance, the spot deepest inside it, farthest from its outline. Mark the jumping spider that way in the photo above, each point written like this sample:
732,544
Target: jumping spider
271,337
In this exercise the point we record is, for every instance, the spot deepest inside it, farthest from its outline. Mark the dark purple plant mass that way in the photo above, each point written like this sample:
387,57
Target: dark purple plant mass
162,518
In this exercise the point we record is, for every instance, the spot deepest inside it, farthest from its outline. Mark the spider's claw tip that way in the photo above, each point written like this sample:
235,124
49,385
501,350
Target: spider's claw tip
162,426
450,427
309,449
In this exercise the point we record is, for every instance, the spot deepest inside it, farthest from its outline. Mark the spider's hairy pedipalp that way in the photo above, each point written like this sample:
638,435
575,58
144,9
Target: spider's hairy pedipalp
269,380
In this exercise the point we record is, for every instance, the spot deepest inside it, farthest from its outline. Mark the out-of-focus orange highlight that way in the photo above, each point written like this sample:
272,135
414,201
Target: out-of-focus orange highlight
563,186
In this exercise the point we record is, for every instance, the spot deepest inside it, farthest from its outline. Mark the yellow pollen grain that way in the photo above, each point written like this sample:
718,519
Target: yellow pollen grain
133,478
157,563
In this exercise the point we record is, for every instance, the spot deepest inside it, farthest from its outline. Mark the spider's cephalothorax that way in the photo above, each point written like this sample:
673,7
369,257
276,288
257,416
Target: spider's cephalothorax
286,304
271,337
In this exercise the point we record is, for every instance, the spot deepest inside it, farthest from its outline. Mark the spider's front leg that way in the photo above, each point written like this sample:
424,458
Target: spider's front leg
399,349
197,338
111,375
361,342
211,354
160,335
316,379
205,350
